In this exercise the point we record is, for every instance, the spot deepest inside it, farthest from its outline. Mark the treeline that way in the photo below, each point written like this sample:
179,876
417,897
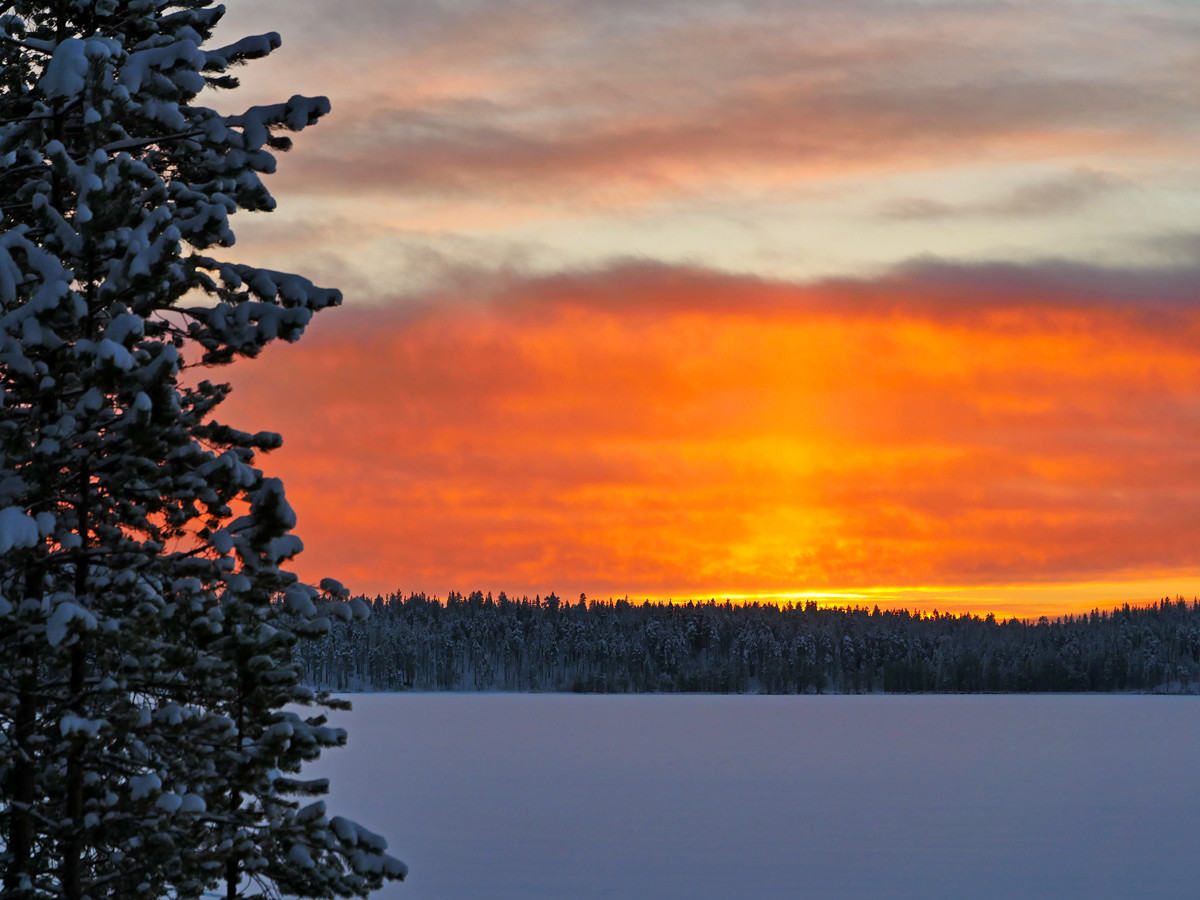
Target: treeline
477,643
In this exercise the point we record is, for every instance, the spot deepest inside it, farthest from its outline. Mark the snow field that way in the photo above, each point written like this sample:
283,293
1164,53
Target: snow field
565,796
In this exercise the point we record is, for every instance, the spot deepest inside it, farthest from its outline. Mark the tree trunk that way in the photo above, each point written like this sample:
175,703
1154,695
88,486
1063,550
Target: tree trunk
73,851
23,780
74,845
232,865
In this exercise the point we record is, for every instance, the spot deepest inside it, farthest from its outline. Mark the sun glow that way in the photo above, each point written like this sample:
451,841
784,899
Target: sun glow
1015,601
744,300
601,436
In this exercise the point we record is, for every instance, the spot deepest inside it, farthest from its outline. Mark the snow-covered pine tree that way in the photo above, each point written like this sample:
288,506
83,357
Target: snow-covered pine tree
149,738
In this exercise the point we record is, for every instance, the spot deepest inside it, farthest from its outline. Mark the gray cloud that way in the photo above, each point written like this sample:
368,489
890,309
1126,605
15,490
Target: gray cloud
1062,194
566,98
1180,247
1160,300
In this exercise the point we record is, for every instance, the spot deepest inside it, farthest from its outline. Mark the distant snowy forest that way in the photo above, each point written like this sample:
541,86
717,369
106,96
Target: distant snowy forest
477,643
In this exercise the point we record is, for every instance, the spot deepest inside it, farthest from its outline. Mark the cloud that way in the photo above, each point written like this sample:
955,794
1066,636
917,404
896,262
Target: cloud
612,104
1068,193
742,138
649,430
1180,247
790,140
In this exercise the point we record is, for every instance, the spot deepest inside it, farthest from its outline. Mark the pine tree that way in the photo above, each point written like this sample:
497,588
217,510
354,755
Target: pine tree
150,741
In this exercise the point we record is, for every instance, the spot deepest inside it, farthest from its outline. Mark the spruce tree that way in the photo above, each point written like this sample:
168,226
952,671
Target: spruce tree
151,724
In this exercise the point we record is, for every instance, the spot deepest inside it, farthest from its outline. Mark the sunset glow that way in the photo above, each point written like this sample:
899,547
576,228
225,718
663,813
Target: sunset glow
859,303
692,436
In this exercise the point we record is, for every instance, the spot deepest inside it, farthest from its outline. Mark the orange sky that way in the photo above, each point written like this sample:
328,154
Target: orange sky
664,432
895,302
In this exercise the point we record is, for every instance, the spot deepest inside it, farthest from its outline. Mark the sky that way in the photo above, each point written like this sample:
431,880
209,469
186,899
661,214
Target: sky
849,300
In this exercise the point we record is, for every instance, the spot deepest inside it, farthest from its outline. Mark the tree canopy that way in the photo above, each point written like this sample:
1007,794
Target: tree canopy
477,643
153,723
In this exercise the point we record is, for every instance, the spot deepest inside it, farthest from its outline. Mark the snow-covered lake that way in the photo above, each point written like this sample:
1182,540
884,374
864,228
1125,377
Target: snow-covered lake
564,796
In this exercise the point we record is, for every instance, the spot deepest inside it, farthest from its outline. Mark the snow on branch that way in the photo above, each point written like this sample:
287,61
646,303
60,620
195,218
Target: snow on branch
297,113
252,47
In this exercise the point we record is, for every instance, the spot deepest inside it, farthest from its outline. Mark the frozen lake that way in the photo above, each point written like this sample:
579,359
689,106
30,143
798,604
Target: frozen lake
566,796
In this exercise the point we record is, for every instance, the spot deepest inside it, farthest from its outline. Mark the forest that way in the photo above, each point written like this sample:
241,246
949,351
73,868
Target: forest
477,643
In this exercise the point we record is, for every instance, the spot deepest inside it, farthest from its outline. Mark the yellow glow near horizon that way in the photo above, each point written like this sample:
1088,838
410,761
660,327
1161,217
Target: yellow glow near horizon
1018,601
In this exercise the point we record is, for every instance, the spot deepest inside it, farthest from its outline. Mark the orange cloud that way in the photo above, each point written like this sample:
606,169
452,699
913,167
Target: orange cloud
656,431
